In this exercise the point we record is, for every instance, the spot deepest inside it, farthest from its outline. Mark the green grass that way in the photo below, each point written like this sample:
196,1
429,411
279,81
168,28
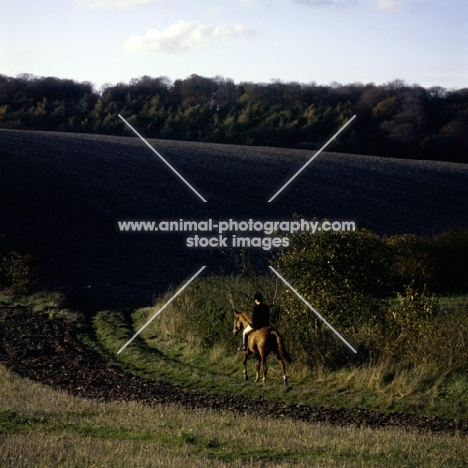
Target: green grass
219,370
447,302
38,302
40,427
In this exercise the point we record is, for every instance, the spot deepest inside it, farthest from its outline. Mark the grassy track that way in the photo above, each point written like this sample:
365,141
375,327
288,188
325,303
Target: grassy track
163,356
217,370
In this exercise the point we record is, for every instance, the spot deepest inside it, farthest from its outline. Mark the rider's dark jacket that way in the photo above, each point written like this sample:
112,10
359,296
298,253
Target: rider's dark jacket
260,316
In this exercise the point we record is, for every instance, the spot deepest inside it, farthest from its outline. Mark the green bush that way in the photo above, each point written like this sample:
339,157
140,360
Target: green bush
445,344
438,263
413,262
18,273
344,275
420,332
408,322
451,261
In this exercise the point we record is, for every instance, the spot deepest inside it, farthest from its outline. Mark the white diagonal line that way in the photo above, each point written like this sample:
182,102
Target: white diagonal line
161,309
311,159
312,309
157,154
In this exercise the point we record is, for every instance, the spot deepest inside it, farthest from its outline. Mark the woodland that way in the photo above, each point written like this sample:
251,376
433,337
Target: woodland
393,120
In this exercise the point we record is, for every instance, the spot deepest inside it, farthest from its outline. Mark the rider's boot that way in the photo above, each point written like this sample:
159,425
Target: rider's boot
244,346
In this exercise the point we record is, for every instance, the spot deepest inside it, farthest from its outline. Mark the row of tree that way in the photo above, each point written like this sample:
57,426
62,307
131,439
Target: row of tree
394,119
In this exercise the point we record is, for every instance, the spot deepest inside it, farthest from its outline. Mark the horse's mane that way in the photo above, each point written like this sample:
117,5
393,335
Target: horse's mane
244,316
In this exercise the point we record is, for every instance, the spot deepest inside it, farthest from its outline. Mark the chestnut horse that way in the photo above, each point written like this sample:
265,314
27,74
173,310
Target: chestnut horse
261,343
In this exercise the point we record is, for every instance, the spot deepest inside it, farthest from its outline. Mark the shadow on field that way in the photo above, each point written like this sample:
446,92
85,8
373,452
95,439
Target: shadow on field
62,195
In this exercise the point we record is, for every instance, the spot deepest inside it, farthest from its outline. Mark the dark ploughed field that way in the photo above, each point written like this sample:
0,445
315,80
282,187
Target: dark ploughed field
61,196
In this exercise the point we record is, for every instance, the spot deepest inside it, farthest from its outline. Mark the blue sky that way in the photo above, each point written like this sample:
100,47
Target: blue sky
423,42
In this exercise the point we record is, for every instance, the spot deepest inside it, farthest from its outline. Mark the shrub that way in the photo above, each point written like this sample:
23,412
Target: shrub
18,273
413,261
451,260
419,332
445,345
439,263
344,275
408,322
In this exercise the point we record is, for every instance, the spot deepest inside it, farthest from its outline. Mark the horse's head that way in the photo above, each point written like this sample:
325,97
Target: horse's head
238,324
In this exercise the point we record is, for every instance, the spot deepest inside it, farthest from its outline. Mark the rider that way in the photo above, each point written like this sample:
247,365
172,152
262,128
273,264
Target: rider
260,319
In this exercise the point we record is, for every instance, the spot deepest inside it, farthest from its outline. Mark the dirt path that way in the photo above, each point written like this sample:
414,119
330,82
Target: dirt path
49,352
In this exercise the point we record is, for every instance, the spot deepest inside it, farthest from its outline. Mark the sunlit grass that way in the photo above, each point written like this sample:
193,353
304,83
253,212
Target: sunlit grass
42,427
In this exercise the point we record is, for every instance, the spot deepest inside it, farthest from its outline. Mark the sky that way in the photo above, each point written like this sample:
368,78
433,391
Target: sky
422,42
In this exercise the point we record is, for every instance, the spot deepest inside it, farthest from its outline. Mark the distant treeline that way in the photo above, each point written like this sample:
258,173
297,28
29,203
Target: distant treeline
395,119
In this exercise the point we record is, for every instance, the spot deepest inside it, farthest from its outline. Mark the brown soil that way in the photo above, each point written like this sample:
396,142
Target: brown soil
48,351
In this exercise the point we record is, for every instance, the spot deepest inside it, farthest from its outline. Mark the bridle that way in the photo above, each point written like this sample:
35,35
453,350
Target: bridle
238,326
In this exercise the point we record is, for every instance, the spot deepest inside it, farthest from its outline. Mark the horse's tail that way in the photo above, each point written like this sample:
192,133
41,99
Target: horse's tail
282,351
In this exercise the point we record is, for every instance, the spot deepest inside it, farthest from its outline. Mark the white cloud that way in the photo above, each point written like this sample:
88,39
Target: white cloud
183,36
391,5
113,4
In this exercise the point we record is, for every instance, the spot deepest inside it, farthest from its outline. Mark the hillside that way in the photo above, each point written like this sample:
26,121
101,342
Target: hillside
61,196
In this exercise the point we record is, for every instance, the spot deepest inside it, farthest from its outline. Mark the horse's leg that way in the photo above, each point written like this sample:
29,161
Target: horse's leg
257,368
265,367
263,359
280,354
244,363
283,368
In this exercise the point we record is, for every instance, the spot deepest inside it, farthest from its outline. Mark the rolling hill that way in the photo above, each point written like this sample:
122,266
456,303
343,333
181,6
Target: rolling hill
62,195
